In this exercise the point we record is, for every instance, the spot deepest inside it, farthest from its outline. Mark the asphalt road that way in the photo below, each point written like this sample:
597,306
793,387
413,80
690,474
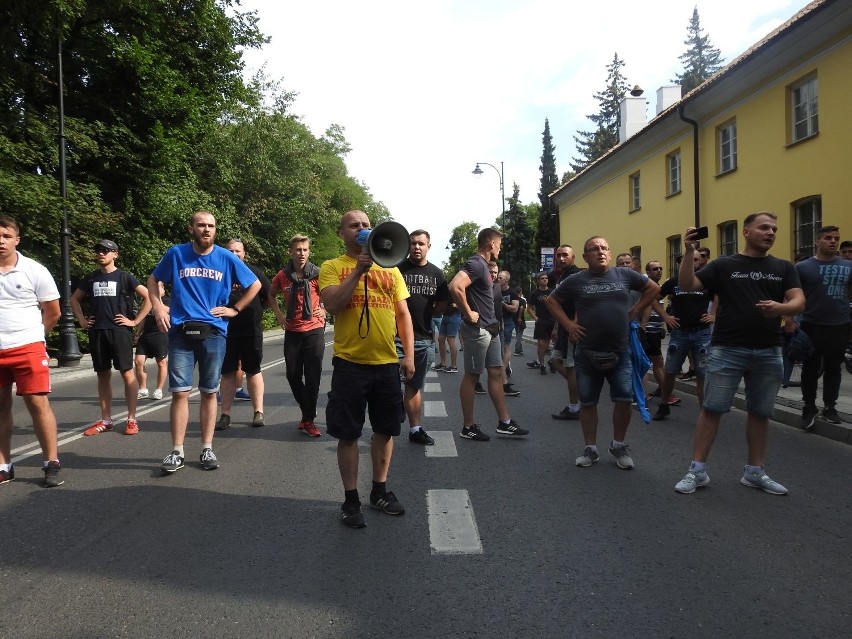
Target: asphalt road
255,549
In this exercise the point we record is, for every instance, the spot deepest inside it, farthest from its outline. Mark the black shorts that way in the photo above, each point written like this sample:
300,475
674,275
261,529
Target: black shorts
153,344
543,329
358,387
111,348
247,351
651,343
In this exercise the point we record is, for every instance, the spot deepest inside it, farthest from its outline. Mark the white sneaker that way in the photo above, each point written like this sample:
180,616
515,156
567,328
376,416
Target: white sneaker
142,394
157,394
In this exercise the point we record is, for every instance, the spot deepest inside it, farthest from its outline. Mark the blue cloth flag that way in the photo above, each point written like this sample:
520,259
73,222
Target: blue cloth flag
641,364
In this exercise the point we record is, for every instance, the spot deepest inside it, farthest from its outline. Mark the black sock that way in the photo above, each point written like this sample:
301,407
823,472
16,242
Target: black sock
351,496
379,488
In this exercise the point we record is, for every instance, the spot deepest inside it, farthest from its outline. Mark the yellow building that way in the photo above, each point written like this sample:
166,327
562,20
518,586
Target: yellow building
771,131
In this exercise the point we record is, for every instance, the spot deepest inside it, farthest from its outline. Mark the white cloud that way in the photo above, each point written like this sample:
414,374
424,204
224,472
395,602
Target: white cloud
425,91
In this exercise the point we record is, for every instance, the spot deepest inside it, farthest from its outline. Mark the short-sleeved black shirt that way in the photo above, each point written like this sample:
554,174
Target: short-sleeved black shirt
426,285
249,321
480,293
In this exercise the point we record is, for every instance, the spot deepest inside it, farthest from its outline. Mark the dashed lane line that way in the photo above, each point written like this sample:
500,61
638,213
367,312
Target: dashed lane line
452,525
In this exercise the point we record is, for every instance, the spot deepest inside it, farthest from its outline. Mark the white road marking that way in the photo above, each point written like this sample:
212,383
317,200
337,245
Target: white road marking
444,446
431,387
452,526
434,408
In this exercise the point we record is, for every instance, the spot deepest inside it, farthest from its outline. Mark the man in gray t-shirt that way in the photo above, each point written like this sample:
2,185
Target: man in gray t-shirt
601,298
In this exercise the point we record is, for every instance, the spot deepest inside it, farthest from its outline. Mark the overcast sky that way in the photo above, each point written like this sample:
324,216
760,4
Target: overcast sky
426,91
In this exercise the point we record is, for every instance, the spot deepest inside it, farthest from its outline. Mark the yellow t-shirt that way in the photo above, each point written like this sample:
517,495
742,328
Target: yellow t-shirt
385,287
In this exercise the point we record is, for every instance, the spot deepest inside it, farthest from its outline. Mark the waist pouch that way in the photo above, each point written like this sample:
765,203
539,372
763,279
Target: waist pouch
196,330
494,328
602,361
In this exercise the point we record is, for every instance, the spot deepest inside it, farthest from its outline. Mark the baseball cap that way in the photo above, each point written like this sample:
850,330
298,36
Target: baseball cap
107,244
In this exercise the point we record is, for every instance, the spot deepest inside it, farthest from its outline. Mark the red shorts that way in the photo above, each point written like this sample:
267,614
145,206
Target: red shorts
28,366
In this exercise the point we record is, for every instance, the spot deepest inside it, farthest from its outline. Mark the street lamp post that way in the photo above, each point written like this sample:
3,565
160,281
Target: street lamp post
69,350
477,172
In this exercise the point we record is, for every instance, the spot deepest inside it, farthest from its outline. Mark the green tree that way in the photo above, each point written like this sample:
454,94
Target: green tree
700,60
462,245
547,233
593,144
518,254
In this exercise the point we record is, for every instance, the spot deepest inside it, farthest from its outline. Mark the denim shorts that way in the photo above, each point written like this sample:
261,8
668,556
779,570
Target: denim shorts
356,388
761,368
590,381
681,343
450,325
481,349
508,329
185,353
424,357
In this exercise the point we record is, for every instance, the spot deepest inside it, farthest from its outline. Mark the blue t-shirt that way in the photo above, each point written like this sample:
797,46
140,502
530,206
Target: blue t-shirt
201,282
826,288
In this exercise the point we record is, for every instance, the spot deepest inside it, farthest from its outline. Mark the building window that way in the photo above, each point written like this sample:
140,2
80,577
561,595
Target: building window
728,238
804,109
674,251
673,172
635,200
808,213
636,253
728,147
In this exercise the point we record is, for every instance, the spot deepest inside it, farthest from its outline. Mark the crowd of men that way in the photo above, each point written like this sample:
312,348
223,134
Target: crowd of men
724,315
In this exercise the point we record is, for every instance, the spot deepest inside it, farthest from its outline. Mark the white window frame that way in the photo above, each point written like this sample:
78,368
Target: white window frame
635,191
807,214
804,109
673,244
728,147
728,238
673,172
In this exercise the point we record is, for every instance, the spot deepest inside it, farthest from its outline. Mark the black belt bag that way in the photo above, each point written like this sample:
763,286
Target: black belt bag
494,329
196,330
602,361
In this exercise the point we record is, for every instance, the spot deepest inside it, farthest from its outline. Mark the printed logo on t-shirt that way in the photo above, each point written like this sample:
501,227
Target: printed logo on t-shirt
207,273
755,275
104,289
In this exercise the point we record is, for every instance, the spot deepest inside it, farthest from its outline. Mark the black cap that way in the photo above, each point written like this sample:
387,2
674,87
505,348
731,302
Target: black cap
107,244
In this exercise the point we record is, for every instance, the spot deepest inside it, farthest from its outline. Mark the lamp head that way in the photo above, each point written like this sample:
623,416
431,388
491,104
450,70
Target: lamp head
477,171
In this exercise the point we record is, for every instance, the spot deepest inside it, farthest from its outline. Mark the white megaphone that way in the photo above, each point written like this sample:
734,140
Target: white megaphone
387,244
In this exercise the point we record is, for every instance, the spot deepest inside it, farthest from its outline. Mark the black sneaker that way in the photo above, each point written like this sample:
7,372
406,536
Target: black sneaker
533,365
542,370
7,475
830,415
208,459
351,515
451,369
420,437
663,411
478,389
688,375
51,475
511,428
566,414
438,367
809,414
387,503
224,422
474,433
510,390
173,462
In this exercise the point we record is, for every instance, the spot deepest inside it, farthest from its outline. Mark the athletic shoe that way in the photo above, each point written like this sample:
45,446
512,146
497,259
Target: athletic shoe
809,414
157,394
474,433
438,367
510,390
309,428
351,515
208,459
542,370
590,456
172,462
7,475
51,475
451,369
690,374
673,401
478,389
258,420
663,411
761,480
533,365
242,395
97,428
511,428
566,414
622,456
224,422
509,369
420,437
830,415
132,427
387,503
142,394
692,480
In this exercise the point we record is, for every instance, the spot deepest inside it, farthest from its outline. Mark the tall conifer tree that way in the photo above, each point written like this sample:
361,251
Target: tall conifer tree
700,60
548,217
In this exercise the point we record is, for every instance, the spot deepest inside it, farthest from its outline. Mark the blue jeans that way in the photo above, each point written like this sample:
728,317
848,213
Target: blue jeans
590,382
681,343
761,368
185,353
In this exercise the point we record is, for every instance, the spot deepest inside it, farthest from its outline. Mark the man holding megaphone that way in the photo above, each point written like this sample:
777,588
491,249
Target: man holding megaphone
367,296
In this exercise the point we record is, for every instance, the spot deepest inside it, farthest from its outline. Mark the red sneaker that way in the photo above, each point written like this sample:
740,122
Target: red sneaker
309,428
673,401
97,428
132,427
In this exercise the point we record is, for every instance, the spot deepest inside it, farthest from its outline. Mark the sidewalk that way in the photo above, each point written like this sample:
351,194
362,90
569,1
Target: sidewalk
788,402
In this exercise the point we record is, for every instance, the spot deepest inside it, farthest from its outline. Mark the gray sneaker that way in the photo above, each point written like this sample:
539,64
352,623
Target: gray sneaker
761,480
622,456
173,462
692,480
589,457
208,459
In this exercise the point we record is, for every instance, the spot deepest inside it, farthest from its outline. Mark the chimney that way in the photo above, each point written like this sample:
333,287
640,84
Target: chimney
667,96
631,114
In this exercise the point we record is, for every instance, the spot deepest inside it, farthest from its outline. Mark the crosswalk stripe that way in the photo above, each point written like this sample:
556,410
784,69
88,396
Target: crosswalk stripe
452,525
444,446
